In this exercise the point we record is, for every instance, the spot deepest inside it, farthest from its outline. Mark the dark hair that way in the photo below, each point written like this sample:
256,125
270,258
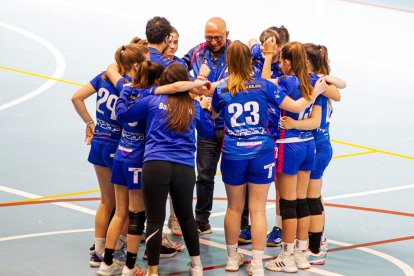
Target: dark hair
157,29
283,33
174,30
127,55
318,57
138,41
268,33
180,111
148,72
295,53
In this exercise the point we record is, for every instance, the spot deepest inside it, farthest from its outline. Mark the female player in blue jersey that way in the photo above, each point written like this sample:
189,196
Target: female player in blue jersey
258,52
294,162
248,149
104,137
318,67
169,160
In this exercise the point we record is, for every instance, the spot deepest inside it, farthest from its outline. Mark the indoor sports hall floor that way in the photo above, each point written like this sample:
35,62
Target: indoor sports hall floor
48,191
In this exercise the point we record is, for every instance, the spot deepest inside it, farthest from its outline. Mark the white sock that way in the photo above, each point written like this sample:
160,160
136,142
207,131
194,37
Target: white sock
196,261
279,221
301,245
257,257
231,250
120,242
287,248
100,246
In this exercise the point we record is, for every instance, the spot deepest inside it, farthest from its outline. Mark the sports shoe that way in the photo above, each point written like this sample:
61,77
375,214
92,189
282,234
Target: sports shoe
95,260
316,259
165,252
301,259
120,255
196,270
204,229
255,270
109,270
174,225
245,236
234,263
274,238
171,244
285,263
135,271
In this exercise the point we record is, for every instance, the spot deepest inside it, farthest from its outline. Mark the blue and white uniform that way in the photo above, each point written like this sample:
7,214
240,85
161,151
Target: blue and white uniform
248,148
156,56
201,54
127,166
296,148
107,129
258,62
322,138
161,143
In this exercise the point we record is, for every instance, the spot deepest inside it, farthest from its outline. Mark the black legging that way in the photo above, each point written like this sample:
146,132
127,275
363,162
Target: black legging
158,179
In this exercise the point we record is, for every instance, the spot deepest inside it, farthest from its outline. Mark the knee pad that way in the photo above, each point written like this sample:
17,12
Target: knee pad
288,209
320,201
136,223
314,205
302,209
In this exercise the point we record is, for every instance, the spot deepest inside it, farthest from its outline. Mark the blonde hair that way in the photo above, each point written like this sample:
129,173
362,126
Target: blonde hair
239,63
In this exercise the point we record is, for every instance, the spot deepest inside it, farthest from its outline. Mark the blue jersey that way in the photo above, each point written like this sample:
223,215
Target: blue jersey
322,133
201,54
245,118
258,62
180,61
132,144
291,86
156,56
161,143
107,129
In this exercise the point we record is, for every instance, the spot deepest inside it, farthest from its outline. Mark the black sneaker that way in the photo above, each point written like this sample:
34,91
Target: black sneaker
166,252
92,249
204,229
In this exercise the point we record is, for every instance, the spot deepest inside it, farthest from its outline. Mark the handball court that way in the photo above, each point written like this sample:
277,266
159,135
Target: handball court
48,190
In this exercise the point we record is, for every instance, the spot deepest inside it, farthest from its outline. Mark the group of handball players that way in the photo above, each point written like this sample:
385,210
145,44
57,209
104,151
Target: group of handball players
162,124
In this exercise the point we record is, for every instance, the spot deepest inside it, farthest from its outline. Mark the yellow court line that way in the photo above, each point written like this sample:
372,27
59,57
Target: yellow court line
40,76
353,154
80,84
55,196
374,150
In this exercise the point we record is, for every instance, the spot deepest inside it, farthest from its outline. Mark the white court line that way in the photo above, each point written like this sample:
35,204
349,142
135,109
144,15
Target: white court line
61,204
46,234
392,189
408,270
58,73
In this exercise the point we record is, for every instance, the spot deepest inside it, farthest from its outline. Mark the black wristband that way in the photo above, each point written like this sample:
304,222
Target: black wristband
206,109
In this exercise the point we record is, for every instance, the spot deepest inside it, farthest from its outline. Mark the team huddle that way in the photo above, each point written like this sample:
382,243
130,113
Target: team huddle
264,107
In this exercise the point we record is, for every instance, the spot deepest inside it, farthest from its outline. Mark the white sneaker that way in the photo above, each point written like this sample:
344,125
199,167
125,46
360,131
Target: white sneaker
282,263
301,259
171,244
109,270
234,263
136,271
196,270
174,225
255,270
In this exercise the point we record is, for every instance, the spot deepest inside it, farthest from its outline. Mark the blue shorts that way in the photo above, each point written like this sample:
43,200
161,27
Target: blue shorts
102,155
127,174
259,170
322,158
294,157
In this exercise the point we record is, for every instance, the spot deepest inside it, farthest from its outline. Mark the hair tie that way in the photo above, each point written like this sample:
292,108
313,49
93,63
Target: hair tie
122,49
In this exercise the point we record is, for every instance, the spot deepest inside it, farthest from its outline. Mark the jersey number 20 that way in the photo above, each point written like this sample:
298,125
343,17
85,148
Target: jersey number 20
110,101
